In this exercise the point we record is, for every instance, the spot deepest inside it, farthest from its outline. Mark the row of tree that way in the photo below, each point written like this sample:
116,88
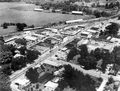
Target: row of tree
19,26
97,57
112,5
4,79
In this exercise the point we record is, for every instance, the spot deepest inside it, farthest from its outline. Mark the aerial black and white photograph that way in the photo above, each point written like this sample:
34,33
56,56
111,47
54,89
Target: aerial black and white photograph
59,45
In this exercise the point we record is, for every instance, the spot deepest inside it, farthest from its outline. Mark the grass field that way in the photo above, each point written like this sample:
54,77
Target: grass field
23,13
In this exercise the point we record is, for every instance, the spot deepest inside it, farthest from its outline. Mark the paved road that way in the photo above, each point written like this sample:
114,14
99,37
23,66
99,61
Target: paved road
101,88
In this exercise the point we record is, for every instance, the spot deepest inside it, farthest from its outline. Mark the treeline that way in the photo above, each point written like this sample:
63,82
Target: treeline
97,58
112,5
13,58
19,26
10,0
67,7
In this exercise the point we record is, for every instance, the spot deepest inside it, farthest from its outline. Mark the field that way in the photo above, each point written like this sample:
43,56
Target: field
23,13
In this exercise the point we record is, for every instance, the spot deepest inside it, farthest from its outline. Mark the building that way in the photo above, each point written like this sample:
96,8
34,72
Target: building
83,41
115,40
74,21
51,62
50,86
85,34
77,12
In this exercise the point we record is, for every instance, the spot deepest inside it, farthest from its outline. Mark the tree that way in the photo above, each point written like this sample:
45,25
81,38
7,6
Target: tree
22,50
97,14
9,47
6,69
83,51
5,25
97,53
77,80
73,52
21,26
5,57
32,75
112,29
110,81
116,52
32,55
2,39
18,63
108,58
21,41
4,82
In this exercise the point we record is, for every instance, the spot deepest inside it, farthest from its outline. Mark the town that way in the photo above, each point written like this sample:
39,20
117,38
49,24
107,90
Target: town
74,55
42,57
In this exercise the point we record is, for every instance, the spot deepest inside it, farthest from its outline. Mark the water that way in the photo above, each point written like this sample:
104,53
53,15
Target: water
23,13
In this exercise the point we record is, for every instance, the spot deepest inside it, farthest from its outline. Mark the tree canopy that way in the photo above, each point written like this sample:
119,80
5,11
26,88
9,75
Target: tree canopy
21,26
32,75
21,41
4,82
18,63
76,80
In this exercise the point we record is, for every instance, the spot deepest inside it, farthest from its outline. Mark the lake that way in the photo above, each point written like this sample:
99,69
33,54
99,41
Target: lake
23,13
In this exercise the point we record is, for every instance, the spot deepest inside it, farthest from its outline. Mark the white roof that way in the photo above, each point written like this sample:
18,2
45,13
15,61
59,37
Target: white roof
22,81
92,31
39,35
72,21
10,39
85,33
63,49
52,29
17,55
51,85
51,62
80,12
115,40
65,39
80,42
56,79
92,47
109,47
85,42
30,38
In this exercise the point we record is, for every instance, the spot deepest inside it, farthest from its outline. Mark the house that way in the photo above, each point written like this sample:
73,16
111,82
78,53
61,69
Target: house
30,38
50,86
21,83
